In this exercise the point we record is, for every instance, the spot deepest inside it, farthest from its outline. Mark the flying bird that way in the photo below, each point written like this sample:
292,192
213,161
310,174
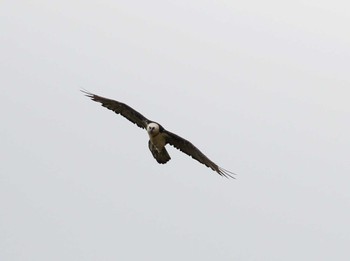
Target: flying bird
158,136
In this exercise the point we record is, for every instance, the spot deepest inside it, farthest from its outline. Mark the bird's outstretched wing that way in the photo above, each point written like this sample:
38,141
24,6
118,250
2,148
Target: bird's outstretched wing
120,108
187,147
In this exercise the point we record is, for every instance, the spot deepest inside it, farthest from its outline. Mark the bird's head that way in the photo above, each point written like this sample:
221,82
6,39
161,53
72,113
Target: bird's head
153,129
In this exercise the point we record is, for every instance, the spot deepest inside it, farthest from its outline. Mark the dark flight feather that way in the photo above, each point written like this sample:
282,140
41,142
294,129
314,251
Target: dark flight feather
121,108
188,148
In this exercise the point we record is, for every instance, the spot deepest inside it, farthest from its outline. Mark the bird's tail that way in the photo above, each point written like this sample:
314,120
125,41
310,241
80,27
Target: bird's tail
162,156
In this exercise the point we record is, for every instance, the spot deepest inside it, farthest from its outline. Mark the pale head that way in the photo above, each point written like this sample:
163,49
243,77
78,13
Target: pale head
153,129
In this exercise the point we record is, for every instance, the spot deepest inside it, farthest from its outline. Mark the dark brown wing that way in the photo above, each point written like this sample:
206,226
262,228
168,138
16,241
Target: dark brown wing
120,108
187,147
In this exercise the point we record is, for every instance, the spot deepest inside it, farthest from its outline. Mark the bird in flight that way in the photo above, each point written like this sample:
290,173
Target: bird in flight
158,136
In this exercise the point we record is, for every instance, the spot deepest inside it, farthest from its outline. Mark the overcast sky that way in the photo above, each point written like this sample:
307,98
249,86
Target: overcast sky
261,87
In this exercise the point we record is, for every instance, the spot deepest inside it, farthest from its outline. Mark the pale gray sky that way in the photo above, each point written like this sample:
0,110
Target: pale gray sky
261,87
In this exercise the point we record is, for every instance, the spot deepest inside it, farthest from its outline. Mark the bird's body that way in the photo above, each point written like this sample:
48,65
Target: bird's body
158,141
158,136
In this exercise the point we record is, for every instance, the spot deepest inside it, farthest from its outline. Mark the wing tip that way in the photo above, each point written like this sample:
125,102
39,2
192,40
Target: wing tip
226,173
92,96
87,93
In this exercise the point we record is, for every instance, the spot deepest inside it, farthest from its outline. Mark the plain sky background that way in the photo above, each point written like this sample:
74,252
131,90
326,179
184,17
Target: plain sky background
261,87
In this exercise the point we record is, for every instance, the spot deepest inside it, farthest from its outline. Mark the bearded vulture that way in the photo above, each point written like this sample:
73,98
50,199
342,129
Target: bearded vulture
158,136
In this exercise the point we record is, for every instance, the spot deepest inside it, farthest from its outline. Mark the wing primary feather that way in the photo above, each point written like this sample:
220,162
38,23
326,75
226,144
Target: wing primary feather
225,173
120,108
